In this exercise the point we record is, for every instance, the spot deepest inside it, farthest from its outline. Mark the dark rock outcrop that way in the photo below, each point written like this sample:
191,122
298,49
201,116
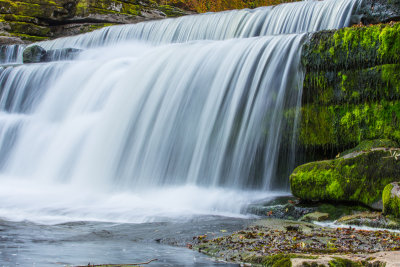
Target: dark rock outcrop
378,11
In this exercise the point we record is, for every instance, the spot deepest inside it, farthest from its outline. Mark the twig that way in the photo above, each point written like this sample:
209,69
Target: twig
115,265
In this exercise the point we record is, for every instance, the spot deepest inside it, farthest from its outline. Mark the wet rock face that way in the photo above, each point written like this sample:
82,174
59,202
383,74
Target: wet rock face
351,89
377,11
391,199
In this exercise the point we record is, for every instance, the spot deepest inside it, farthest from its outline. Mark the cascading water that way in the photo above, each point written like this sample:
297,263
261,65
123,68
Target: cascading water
11,53
144,128
297,17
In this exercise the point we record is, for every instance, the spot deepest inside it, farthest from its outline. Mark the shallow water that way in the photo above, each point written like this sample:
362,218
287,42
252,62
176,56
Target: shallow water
79,243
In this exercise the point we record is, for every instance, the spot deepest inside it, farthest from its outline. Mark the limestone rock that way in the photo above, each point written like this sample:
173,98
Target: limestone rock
391,199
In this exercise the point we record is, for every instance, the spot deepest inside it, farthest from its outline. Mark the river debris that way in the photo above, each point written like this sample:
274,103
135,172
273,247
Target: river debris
280,237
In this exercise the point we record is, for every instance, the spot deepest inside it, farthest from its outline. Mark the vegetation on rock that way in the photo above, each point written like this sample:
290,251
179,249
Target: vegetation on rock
353,48
202,6
391,199
342,126
39,20
360,179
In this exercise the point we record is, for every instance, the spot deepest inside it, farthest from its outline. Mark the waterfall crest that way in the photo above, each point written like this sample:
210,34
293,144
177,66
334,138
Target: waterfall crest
298,17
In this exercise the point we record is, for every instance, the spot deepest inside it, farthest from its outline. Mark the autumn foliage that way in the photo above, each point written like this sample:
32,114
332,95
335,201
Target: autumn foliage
202,6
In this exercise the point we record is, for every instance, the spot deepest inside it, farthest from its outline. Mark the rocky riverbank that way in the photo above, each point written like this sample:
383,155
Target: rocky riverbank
273,242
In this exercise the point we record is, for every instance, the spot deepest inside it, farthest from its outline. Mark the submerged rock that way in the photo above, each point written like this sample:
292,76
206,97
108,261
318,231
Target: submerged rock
391,199
359,177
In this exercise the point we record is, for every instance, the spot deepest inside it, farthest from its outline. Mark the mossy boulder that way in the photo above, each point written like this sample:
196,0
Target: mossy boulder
359,179
34,54
391,199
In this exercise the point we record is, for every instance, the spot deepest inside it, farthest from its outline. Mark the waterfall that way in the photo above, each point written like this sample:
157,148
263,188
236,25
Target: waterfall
11,53
154,125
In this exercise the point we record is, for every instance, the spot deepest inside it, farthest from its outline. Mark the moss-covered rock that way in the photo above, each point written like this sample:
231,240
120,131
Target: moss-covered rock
353,48
351,89
342,126
391,199
34,54
359,179
43,19
352,86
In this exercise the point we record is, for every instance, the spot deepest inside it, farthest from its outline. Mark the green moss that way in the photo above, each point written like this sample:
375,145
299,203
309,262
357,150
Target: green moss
342,126
391,204
278,260
29,37
171,11
10,17
29,28
99,26
353,48
359,179
352,86
340,262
